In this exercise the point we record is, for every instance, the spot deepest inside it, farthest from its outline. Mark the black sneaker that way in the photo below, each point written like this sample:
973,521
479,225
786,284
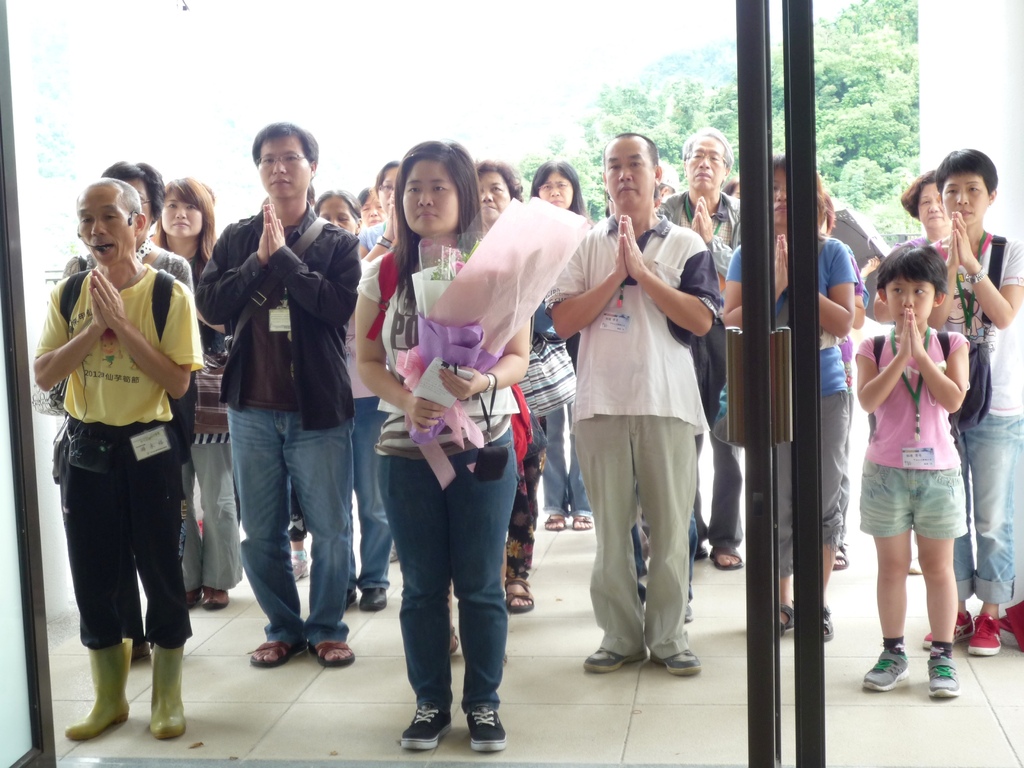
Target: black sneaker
427,728
486,733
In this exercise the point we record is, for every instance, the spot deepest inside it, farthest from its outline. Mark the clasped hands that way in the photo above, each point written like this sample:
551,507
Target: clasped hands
272,238
960,249
630,261
911,341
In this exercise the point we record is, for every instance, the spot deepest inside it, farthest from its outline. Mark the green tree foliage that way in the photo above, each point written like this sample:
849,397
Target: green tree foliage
866,74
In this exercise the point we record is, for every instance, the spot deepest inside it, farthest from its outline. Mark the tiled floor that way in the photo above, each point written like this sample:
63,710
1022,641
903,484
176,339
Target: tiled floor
301,714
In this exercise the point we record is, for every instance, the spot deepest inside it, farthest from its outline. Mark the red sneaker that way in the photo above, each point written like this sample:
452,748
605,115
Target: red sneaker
963,630
986,636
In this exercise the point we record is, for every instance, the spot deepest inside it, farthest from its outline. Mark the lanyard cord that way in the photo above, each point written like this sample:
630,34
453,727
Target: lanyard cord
915,394
689,215
967,297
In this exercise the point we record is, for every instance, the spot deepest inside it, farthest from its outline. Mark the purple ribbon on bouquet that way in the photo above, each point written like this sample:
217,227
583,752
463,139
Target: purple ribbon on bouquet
461,346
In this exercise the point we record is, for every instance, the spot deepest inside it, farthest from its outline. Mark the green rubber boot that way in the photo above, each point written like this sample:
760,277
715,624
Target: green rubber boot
167,719
109,678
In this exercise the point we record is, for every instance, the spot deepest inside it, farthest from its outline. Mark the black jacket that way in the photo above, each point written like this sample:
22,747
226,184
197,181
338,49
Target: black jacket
321,298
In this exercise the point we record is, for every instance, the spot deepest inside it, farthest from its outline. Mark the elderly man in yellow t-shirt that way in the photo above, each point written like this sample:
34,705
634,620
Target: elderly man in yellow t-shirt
120,465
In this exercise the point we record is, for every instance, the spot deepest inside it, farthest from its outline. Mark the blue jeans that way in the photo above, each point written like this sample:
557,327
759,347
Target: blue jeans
268,449
454,535
374,533
564,493
989,453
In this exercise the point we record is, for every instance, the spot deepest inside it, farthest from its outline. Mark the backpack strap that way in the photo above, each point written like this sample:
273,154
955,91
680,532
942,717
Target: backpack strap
387,281
995,267
70,293
162,290
879,344
944,343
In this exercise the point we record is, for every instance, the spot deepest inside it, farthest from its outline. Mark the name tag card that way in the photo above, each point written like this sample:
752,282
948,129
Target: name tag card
280,320
613,322
919,458
150,443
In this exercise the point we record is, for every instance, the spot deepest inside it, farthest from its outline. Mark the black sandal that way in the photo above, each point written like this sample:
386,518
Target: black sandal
827,625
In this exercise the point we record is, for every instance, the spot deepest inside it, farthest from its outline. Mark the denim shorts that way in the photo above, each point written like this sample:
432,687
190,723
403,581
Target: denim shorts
929,501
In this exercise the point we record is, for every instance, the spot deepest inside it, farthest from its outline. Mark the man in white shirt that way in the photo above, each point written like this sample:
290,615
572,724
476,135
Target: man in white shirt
637,404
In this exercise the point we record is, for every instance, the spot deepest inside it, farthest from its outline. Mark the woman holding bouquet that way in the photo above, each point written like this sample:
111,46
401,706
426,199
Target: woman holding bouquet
457,532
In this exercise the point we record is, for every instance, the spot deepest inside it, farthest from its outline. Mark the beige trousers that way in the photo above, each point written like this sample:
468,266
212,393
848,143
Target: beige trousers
651,460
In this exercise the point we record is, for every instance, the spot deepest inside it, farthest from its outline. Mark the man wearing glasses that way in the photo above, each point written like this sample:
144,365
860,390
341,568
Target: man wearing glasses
715,216
284,284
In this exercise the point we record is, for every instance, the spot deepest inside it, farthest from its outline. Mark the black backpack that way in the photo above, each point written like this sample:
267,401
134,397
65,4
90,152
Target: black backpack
183,408
979,394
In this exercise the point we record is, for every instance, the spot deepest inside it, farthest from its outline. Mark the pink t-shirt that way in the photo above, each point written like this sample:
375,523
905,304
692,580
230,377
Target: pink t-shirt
895,418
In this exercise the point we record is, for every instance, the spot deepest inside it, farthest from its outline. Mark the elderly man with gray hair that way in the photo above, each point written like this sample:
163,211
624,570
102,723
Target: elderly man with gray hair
715,216
125,338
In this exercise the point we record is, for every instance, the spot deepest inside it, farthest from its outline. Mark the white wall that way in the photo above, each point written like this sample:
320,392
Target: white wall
972,95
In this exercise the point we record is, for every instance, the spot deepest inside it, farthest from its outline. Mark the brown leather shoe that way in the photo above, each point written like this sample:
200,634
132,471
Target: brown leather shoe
214,599
194,597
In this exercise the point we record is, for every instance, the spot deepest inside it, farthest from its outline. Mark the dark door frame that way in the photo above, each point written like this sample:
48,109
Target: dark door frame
764,710
17,353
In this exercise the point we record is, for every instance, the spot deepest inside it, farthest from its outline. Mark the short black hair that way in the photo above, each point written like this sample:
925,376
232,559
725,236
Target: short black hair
280,131
652,148
150,178
921,264
967,161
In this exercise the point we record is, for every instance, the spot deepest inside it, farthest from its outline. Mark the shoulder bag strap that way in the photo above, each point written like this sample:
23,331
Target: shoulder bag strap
995,267
387,282
272,280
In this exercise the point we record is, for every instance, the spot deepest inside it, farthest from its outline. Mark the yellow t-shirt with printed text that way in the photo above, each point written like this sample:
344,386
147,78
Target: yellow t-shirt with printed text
108,386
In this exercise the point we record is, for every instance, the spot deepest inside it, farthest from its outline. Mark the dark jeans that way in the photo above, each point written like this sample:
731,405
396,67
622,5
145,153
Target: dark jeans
454,535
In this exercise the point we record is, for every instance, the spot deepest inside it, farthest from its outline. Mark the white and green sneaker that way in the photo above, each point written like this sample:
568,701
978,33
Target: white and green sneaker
943,682
890,669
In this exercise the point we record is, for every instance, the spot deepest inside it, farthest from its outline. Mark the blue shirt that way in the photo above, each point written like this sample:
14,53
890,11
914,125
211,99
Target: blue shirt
369,237
834,268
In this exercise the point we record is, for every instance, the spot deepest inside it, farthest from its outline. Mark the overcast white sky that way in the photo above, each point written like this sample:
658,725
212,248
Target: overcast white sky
151,82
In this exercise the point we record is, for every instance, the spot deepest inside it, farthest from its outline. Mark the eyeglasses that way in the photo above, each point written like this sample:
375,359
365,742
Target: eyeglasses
290,161
386,188
700,156
561,186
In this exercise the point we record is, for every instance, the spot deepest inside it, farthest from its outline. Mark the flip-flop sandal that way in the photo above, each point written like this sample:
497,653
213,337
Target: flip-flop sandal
717,552
790,622
842,561
327,646
555,523
283,650
583,523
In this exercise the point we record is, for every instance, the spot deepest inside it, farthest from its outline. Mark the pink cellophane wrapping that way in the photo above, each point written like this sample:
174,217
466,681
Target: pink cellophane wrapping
511,271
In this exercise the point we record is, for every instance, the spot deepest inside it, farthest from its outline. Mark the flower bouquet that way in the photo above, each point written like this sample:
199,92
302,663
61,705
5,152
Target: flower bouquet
475,295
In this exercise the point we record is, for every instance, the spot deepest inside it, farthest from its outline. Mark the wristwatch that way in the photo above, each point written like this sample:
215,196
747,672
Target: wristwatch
977,278
492,382
384,241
